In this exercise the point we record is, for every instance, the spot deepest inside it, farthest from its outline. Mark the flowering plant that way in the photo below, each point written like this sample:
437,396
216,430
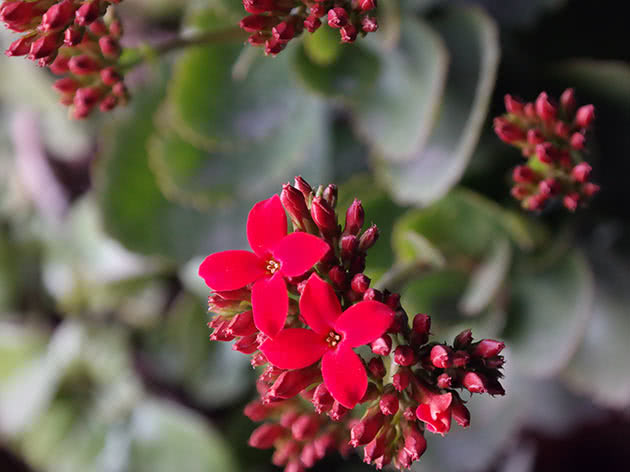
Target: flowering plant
300,304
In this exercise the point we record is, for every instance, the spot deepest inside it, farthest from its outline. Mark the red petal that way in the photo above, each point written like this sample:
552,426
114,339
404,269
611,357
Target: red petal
270,304
364,322
266,225
298,252
344,375
230,270
440,424
319,305
294,348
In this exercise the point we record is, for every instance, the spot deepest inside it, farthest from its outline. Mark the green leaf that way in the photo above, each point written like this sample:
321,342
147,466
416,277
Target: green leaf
471,39
396,115
549,311
167,437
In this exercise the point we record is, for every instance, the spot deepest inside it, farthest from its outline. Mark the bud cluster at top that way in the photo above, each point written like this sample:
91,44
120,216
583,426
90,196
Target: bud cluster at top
74,39
552,137
299,304
273,23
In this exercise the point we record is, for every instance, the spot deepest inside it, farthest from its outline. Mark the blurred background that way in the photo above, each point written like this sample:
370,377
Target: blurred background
105,363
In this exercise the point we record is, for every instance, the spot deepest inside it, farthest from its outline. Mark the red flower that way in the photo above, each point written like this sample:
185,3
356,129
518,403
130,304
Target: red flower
332,337
276,255
436,413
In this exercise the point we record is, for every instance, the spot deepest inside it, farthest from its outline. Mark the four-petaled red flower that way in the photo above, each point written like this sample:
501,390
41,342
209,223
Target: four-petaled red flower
276,255
436,414
332,337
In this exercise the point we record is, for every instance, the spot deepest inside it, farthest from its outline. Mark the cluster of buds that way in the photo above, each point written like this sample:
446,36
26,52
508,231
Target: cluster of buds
299,304
73,38
273,23
552,137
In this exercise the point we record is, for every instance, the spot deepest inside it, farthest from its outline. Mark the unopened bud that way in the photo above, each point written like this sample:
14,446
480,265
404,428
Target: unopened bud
377,368
283,31
322,399
312,23
337,17
87,13
368,238
404,356
365,430
292,382
360,283
348,33
72,36
460,359
577,141
355,216
444,381
330,195
488,348
460,413
441,356
382,346
581,172
109,47
401,380
58,16
265,435
415,444
474,382
585,116
369,24
304,187
338,411
544,109
293,201
463,339
389,404
373,294
567,101
349,246
524,174
305,427
338,277
571,201
324,216
512,105
83,65
246,345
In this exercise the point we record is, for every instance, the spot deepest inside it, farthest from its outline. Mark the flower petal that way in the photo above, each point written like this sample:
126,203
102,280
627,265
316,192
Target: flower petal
344,375
440,424
364,322
298,252
270,304
266,225
294,348
319,305
230,270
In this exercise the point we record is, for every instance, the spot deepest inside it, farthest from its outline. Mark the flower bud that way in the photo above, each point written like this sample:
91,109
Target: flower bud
403,460
109,47
567,101
293,201
571,201
83,65
110,76
349,246
544,109
444,381
369,24
274,46
360,283
60,65
324,216
377,368
404,356
463,339
585,116
283,31
460,359
389,404
421,324
324,443
337,17
367,5
66,85
330,195
265,435
57,16
382,346
98,28
308,456
562,129
305,427
508,132
524,174
373,294
87,13
577,141
488,348
393,301
246,345
460,413
338,277
72,36
338,411
254,23
322,399
20,47
365,430
285,453
368,238
474,382
441,356
415,444
401,380
348,33
589,189
355,216
312,23
581,172
304,187
512,105
535,137
292,382
44,46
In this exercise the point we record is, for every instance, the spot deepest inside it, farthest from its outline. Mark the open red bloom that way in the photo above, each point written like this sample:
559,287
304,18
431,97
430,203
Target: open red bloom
436,414
332,337
276,255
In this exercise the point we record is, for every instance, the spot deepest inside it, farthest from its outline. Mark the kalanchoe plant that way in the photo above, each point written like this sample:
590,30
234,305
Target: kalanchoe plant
74,38
312,306
273,23
552,137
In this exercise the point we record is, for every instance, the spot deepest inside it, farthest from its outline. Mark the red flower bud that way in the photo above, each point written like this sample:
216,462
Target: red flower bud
461,359
415,444
109,46
463,339
322,399
60,65
243,324
312,23
524,174
265,435
549,187
293,201
258,6
404,356
66,85
444,381
274,46
304,187
87,13
72,36
567,101
367,5
83,65
338,411
348,33
365,430
488,348
17,15
360,283
324,216
369,24
373,294
474,382
292,382
355,216
585,116
544,109
349,246
577,141
285,454
338,277
581,172
283,31
389,404
382,346
460,413
98,28
254,23
377,368
441,356
571,201
44,46
401,380
368,238
337,17
507,131
589,189
512,105
305,427
374,449
110,76
58,16
534,137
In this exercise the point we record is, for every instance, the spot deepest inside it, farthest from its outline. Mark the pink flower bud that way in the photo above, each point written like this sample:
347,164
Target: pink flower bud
258,6
461,415
110,76
512,105
44,46
58,16
403,460
365,430
444,381
283,31
337,17
254,23
507,131
377,368
460,359
312,23
285,453
389,404
288,418
20,47
98,28
304,187
441,356
256,411
549,187
589,189
324,443
83,65
585,116
368,238
373,294
72,36
524,174
474,382
66,85
415,444
562,129
382,346
265,435
109,46
87,13
404,356
401,380
293,201
17,15
544,109
360,283
545,152
571,201
322,399
488,348
369,24
246,345
567,101
534,137
274,46
258,359
355,216
87,97
577,141
338,411
581,172
292,382
393,301
305,427
60,65
367,5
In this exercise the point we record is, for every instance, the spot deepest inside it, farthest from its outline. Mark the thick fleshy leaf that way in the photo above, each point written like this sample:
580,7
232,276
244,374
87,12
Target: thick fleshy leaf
364,322
266,225
270,302
319,305
229,270
344,375
298,252
294,348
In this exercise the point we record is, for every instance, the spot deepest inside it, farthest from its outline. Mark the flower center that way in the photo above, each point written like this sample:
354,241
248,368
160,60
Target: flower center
272,266
333,339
